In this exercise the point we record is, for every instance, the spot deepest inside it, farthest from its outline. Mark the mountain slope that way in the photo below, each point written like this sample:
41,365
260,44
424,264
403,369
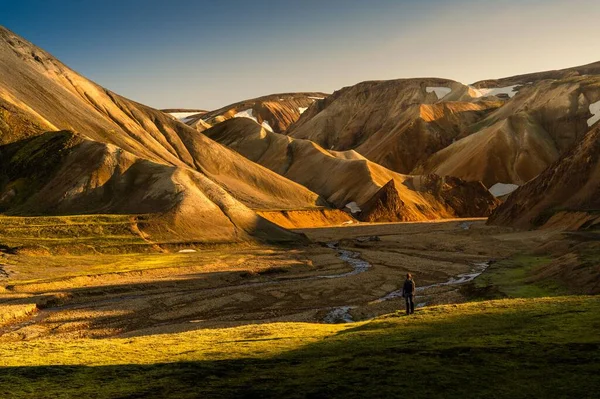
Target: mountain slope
486,132
344,177
39,94
519,140
567,194
396,123
276,112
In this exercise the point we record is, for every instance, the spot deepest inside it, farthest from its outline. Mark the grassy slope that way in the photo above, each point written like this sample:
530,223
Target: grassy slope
512,277
548,347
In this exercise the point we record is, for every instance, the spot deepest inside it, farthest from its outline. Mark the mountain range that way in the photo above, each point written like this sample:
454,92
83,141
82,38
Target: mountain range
397,150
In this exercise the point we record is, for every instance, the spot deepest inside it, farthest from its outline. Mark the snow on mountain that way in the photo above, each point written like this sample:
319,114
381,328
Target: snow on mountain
440,92
595,110
494,91
248,113
266,125
182,116
502,189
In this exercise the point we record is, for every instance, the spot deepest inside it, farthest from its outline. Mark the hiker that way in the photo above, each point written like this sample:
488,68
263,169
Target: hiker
408,292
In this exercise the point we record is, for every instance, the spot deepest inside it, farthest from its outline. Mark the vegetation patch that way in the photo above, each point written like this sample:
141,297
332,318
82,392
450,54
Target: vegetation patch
513,277
502,349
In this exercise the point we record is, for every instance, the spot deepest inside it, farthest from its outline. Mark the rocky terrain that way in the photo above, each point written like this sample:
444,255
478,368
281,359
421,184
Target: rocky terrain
565,195
275,112
115,155
350,177
501,131
399,150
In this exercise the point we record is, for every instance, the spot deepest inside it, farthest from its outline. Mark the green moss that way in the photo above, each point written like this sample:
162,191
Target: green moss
513,277
501,349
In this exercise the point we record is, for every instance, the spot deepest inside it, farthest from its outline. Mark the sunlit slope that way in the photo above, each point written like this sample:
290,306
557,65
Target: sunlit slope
275,112
395,123
502,349
39,91
566,195
518,141
495,131
123,156
344,177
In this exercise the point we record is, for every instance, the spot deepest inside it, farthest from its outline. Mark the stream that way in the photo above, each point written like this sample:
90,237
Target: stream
342,314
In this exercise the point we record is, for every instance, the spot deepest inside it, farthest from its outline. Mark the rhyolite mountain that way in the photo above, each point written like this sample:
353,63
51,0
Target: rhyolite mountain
565,195
345,177
70,146
275,112
494,131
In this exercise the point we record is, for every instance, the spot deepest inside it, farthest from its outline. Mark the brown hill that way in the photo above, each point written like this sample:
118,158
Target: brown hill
342,178
589,69
523,137
276,112
396,123
566,195
490,133
39,94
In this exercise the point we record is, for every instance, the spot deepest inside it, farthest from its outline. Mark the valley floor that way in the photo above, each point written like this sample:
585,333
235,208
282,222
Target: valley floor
145,320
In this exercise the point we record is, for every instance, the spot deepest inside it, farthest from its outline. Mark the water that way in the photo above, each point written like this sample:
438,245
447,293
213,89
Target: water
477,269
352,258
342,314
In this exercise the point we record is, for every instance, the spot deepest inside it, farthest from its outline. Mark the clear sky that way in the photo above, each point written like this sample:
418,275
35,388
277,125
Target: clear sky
206,54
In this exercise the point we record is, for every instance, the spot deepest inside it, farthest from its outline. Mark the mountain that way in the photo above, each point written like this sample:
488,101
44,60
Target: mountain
589,69
522,138
565,195
123,155
396,123
182,114
484,132
345,177
276,112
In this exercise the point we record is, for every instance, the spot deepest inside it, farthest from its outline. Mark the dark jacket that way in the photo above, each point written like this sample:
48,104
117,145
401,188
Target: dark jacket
408,288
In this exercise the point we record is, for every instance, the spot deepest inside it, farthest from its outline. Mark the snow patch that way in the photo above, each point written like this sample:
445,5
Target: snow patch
595,110
302,109
440,92
502,189
316,98
187,251
266,125
485,91
353,207
249,113
182,116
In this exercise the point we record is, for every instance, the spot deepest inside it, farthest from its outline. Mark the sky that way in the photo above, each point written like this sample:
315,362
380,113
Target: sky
207,54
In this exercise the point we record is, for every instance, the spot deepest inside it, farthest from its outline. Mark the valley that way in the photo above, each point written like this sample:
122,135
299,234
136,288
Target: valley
70,289
260,249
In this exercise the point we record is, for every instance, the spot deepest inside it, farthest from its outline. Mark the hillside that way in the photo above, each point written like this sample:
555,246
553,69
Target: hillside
485,132
522,138
191,176
565,195
395,123
539,348
275,112
349,177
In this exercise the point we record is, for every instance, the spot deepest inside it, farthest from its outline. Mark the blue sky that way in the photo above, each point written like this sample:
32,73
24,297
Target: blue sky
206,54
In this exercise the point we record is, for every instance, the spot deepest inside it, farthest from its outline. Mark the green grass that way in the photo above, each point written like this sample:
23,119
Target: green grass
512,277
73,234
518,348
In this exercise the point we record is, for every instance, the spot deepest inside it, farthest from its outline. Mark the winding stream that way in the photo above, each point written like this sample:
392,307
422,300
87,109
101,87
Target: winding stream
342,313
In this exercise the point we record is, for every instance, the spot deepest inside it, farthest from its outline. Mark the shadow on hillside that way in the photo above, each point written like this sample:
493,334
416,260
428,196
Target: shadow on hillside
511,354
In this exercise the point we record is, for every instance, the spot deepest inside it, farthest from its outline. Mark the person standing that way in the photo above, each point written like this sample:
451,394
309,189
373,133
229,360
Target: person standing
408,292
